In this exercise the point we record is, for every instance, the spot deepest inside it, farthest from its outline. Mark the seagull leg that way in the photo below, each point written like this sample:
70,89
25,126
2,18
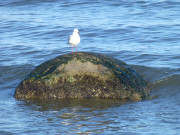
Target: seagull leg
72,49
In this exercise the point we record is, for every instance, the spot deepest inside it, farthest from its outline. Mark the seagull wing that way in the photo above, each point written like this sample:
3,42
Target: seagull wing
69,39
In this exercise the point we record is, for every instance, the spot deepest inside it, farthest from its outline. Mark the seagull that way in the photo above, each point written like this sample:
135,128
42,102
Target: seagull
74,39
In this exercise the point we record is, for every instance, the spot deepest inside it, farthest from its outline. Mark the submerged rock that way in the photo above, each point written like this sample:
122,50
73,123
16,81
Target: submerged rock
83,75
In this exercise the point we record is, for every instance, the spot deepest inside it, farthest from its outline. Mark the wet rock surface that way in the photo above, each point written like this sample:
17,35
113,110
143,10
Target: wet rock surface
83,75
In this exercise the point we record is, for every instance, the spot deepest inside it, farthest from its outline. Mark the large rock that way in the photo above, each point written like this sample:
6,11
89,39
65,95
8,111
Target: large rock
83,75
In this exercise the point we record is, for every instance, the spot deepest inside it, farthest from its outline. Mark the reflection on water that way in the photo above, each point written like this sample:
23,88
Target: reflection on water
57,105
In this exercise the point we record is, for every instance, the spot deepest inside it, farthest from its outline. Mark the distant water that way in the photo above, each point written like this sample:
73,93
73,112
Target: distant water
142,33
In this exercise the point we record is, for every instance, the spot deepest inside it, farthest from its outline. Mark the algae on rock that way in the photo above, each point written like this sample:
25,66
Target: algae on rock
83,75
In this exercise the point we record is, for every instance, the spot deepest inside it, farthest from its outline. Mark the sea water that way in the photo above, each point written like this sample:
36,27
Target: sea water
143,33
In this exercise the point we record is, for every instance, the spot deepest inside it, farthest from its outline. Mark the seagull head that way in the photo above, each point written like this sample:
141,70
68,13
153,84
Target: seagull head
76,31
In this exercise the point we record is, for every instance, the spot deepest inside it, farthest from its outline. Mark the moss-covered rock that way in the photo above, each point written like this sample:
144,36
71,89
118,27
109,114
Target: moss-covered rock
83,75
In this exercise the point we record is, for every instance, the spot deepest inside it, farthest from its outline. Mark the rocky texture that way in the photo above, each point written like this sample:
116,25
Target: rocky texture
83,75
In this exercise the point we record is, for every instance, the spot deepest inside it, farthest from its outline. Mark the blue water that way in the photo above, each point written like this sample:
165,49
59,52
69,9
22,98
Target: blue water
142,33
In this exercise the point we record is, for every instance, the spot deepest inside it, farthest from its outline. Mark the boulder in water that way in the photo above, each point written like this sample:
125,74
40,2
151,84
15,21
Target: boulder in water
83,75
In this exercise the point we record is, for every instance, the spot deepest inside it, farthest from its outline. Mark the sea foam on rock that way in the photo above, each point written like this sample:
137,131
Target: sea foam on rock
83,75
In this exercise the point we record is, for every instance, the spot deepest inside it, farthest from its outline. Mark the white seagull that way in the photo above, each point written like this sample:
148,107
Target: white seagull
74,39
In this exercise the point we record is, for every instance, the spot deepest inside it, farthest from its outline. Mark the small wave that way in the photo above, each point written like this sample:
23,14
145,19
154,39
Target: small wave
23,2
168,87
173,80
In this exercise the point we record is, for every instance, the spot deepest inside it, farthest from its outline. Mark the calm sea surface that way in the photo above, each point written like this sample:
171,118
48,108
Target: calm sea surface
142,33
